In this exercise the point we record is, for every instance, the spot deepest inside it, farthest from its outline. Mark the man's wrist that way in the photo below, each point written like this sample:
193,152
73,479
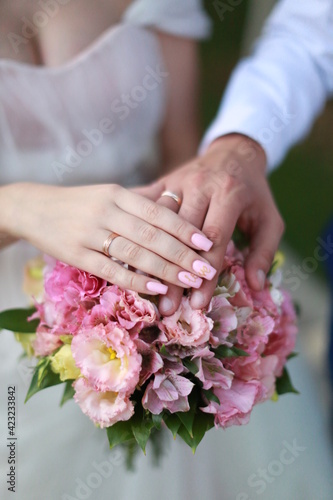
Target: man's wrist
241,145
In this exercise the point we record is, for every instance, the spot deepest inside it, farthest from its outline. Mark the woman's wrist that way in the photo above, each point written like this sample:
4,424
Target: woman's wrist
13,209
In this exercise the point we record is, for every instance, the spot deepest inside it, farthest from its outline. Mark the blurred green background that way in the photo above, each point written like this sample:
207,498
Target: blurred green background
303,184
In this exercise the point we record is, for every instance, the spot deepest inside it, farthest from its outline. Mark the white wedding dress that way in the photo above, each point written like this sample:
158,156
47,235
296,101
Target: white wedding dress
55,127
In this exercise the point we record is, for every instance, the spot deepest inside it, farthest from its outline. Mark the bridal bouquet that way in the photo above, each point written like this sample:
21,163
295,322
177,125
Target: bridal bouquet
133,371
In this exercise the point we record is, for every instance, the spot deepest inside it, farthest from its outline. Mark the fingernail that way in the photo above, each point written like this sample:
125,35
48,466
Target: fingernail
203,269
197,300
165,305
189,279
154,286
261,276
201,242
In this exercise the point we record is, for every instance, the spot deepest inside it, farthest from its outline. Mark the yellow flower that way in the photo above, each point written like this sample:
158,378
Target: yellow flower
33,277
26,340
63,363
278,261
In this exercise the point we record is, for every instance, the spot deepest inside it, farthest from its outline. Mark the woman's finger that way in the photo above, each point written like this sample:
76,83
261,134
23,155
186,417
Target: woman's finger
142,259
161,218
105,268
158,242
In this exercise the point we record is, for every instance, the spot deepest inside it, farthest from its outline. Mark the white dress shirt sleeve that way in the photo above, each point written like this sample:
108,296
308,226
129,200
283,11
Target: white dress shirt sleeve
275,95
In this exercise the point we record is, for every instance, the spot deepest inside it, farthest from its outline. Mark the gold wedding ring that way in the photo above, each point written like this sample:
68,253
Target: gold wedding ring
108,242
176,198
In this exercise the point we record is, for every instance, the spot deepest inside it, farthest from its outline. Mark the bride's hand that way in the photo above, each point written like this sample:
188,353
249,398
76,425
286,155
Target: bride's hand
224,187
71,224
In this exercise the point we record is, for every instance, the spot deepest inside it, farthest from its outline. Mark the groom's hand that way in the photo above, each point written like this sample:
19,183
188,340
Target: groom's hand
224,187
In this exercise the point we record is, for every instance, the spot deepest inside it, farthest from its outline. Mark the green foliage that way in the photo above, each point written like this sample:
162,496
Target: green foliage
68,392
119,433
211,396
191,366
16,320
223,351
284,384
43,377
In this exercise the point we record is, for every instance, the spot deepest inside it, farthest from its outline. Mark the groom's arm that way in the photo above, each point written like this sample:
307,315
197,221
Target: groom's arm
274,96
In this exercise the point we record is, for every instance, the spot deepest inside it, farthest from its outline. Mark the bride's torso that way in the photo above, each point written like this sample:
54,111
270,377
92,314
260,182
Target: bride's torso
86,103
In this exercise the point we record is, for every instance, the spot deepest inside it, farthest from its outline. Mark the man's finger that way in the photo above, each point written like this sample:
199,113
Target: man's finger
264,244
219,226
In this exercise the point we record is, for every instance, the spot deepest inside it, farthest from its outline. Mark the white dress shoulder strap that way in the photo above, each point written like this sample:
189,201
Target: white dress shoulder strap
185,18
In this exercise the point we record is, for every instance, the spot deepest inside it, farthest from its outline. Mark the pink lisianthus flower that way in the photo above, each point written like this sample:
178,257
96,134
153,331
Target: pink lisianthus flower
45,342
108,358
283,339
224,317
68,284
211,370
256,367
168,390
255,332
235,405
187,326
103,408
128,309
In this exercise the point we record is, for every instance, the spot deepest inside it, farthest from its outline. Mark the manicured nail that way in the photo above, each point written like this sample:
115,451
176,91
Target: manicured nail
201,242
197,300
165,305
203,269
189,279
261,276
154,286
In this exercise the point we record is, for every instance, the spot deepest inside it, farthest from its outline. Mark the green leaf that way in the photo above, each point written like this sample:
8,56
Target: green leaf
163,350
43,377
183,433
292,355
187,417
119,433
284,384
141,428
172,422
157,420
191,366
223,351
202,423
68,392
15,320
211,396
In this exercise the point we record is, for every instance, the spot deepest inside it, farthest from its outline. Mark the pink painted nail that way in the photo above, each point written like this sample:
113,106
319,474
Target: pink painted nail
189,279
154,286
203,269
201,242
